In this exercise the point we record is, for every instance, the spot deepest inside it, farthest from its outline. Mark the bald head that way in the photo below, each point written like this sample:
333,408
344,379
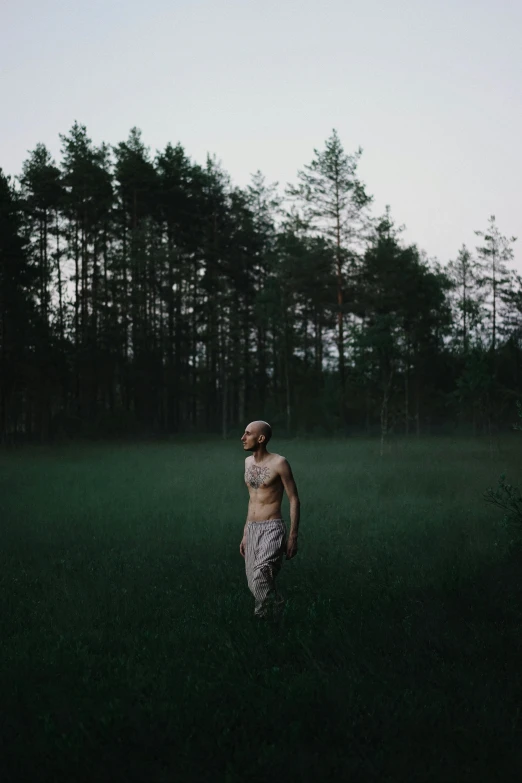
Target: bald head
261,428
256,435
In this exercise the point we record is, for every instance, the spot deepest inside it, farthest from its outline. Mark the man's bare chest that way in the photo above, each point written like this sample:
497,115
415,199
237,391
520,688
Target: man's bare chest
261,476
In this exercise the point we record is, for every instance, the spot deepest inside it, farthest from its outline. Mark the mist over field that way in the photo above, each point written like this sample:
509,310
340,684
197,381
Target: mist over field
128,640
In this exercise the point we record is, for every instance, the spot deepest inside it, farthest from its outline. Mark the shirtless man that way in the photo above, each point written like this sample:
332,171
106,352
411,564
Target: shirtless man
265,541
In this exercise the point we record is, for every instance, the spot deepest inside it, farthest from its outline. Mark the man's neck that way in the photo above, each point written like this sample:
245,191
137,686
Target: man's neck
260,455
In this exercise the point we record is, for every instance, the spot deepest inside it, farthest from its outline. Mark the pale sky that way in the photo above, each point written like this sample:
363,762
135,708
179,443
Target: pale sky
430,89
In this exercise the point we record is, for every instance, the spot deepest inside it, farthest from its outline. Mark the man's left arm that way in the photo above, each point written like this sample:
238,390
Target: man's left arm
285,471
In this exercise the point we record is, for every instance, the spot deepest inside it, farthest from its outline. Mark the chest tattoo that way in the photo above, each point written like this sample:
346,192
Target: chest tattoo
256,476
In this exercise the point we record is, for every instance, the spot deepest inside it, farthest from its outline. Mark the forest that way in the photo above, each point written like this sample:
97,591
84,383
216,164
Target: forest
148,296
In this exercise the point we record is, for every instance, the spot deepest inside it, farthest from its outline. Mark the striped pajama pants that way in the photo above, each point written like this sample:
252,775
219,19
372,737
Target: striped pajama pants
264,552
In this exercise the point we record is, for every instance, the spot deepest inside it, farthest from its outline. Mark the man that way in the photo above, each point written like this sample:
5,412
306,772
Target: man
265,542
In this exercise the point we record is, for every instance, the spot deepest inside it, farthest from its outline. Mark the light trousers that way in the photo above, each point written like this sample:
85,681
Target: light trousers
264,552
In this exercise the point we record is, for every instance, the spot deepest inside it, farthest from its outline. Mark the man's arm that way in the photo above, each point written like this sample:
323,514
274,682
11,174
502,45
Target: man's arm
285,471
244,529
243,540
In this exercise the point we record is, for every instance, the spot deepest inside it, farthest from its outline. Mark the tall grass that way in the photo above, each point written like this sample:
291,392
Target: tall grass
129,648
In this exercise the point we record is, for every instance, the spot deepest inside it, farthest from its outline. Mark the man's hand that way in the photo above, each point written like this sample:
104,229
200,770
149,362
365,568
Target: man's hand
242,546
291,547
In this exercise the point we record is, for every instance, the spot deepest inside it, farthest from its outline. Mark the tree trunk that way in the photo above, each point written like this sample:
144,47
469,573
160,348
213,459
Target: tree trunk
406,403
384,409
171,339
93,348
124,303
465,307
246,362
493,344
261,359
417,408
194,349
317,344
224,386
60,285
340,339
3,383
287,381
85,282
45,300
77,315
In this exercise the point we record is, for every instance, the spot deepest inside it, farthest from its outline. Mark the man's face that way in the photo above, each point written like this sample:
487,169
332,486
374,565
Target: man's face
250,438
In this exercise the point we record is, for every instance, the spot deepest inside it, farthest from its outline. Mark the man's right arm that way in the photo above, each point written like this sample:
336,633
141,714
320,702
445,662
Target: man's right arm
243,540
246,522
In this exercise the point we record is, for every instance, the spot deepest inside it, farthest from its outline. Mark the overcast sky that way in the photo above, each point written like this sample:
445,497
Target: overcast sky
430,89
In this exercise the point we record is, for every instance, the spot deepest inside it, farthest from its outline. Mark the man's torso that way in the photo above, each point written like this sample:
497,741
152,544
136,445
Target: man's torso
265,488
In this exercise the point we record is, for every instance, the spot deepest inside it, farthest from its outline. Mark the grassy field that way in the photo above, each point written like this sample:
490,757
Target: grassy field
129,649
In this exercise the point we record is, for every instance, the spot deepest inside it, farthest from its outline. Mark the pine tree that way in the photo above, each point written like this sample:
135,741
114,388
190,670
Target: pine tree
265,207
19,322
464,275
404,313
494,274
334,205
43,196
87,204
137,217
179,194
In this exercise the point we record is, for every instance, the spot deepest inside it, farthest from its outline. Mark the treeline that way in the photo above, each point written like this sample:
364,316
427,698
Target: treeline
142,295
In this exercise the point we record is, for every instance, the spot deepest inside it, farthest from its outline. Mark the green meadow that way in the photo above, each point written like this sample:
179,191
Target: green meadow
129,650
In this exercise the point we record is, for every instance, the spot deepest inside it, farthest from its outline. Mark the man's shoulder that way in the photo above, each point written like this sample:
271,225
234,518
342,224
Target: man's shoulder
278,460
